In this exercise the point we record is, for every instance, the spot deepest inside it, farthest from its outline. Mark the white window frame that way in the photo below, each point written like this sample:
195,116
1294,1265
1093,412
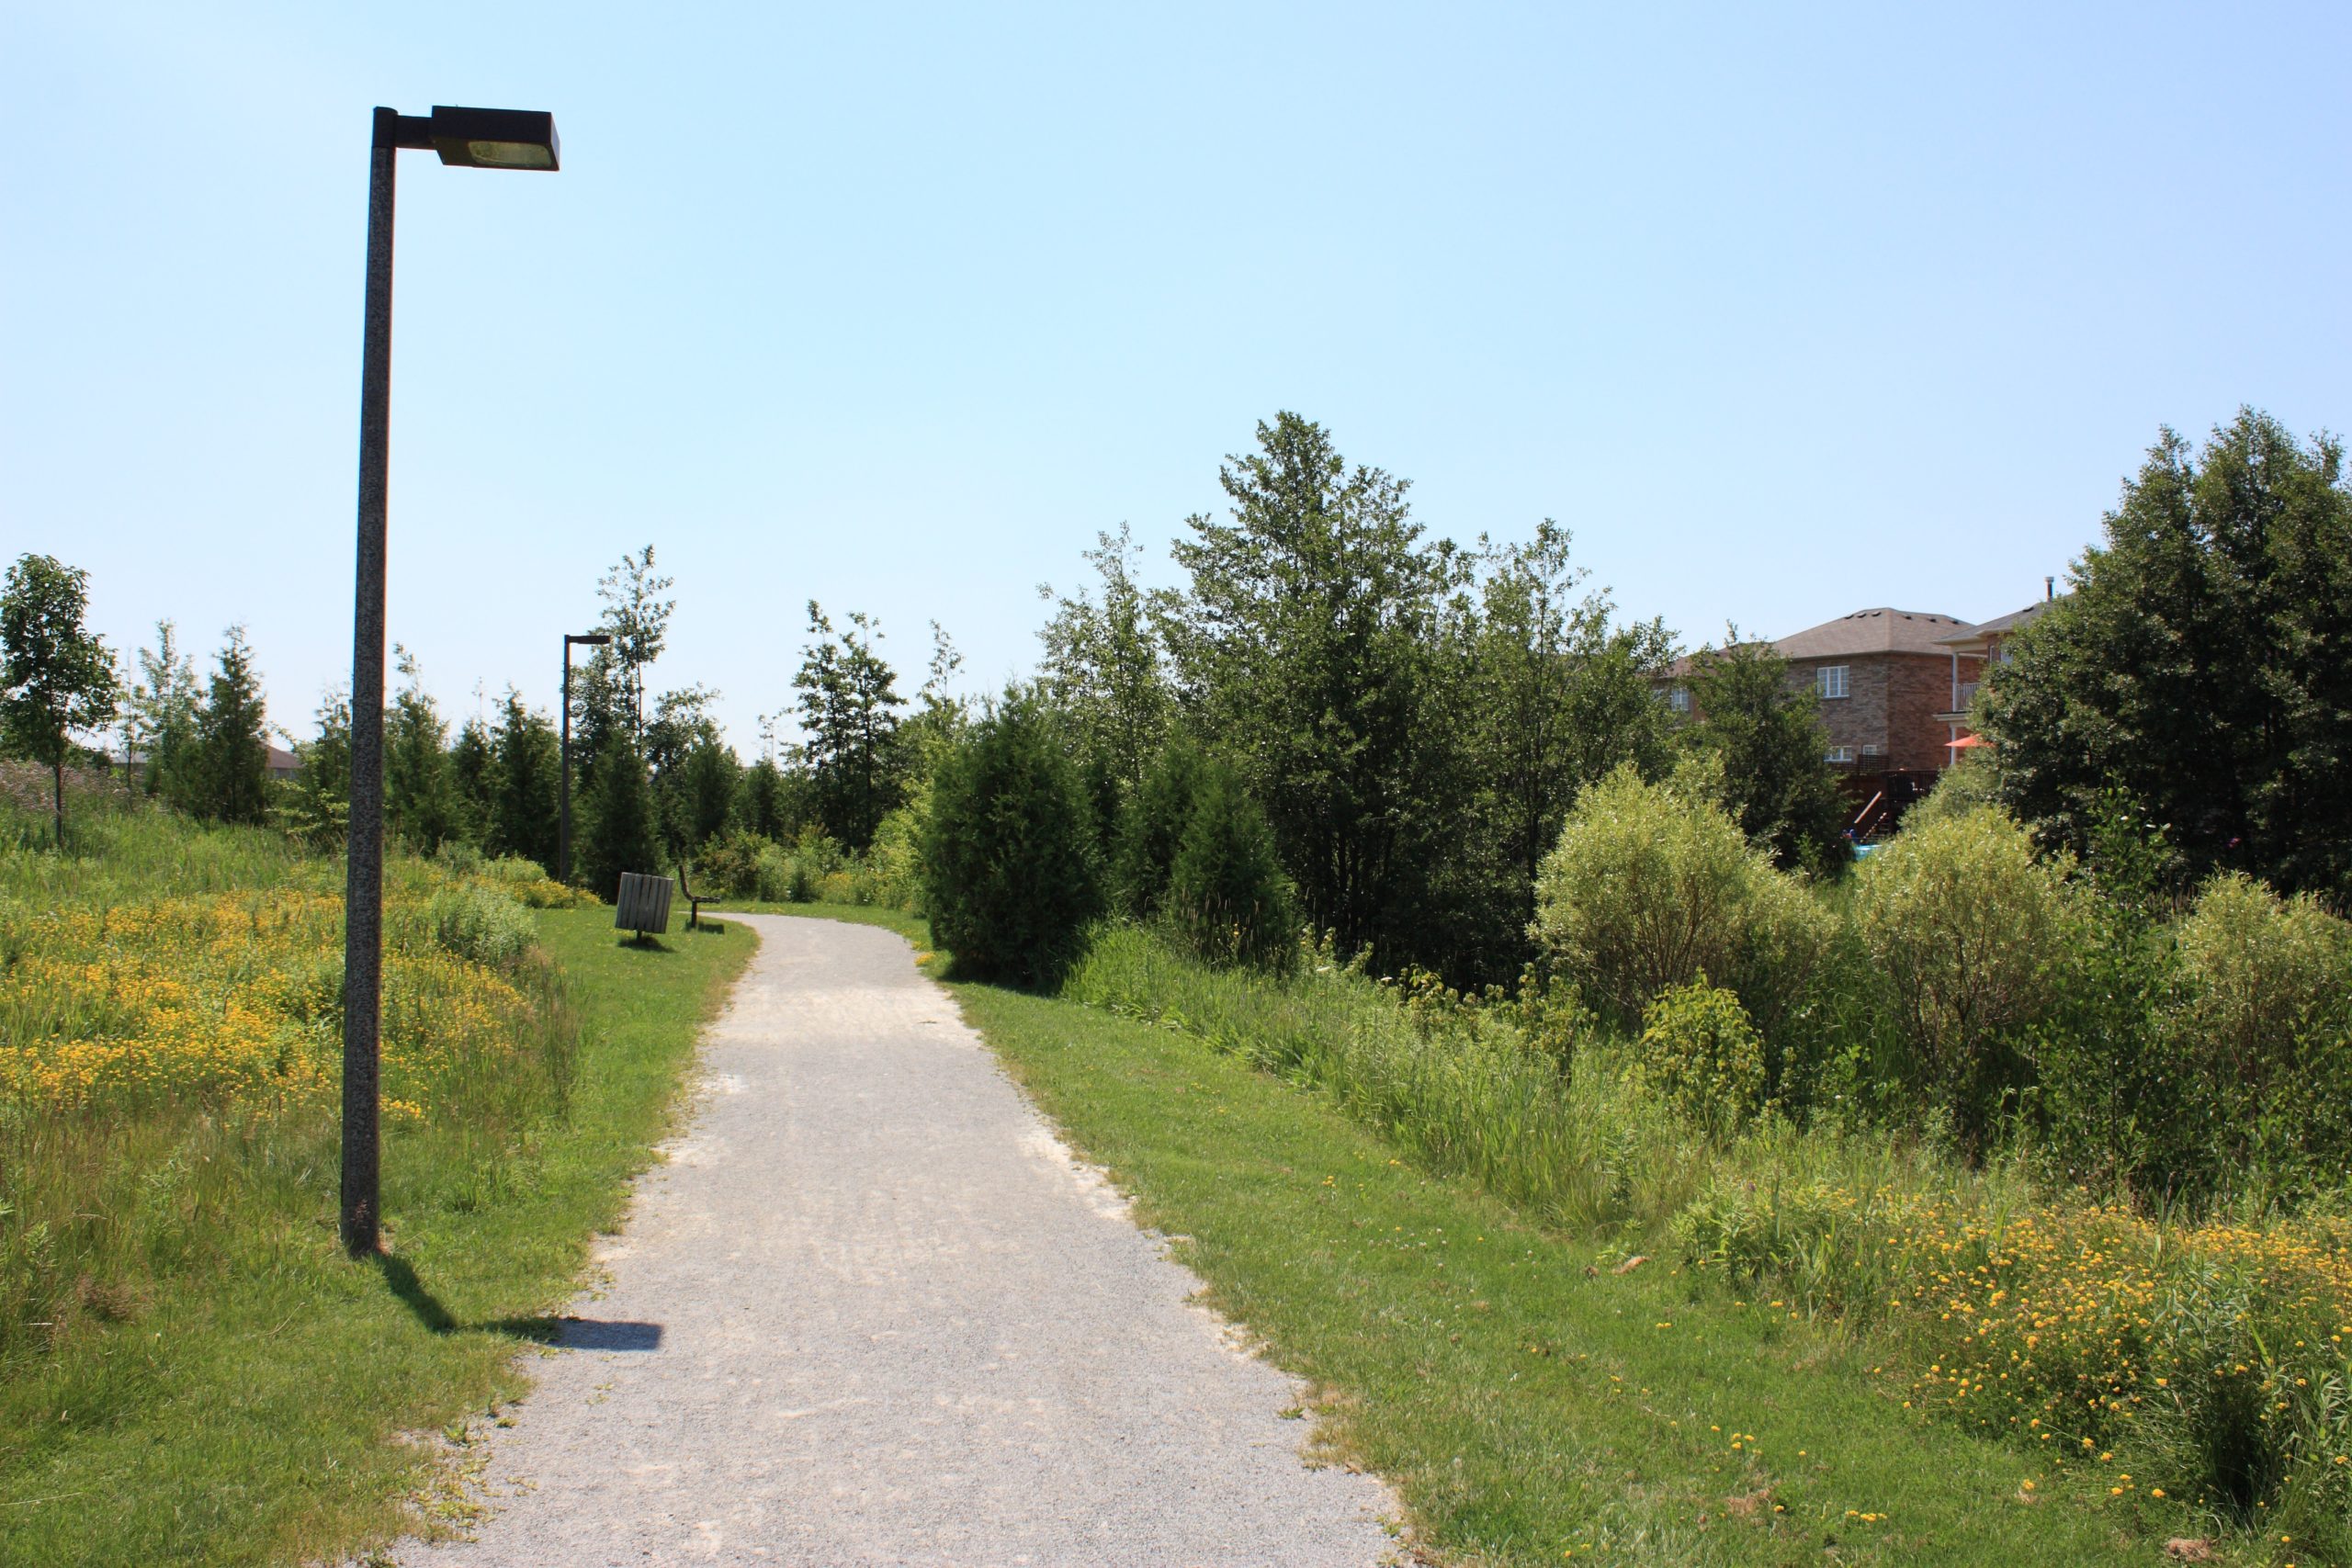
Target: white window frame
1830,681
1679,698
1840,754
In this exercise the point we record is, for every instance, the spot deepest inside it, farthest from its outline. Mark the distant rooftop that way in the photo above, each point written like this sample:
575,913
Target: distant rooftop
1997,625
1881,630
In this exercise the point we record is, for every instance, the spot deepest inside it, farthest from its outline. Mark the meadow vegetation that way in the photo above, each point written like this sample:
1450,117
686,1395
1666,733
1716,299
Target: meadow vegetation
178,1331
1869,1144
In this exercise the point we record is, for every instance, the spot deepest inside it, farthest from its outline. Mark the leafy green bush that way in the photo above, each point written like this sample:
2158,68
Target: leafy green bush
895,860
728,865
1008,868
2264,1017
1971,935
820,852
1959,789
2266,977
1226,895
514,871
1701,1050
1652,884
459,856
481,924
782,878
2120,1106
523,880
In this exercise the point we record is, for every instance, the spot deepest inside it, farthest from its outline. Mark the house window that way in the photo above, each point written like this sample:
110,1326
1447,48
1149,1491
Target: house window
1678,699
1840,754
1831,680
1967,693
1873,750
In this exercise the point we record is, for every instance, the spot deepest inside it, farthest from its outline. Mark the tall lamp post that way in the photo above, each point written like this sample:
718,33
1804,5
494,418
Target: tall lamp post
472,139
563,817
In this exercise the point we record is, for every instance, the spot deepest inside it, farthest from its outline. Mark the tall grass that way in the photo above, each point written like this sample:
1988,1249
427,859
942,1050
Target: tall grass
170,1029
2208,1359
1464,1088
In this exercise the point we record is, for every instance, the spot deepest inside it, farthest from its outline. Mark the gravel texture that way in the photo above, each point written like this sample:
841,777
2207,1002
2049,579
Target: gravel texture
870,1311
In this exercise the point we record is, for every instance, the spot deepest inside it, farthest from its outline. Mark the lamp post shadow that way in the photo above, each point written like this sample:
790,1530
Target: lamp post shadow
564,1333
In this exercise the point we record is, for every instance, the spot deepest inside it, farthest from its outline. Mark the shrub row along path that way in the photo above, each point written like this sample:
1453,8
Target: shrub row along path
869,1310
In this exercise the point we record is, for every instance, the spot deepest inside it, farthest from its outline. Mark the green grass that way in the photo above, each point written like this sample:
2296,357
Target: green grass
1530,1403
261,1408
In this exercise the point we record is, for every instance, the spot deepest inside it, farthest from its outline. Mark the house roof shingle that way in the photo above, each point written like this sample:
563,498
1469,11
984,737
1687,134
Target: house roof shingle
1882,630
1997,626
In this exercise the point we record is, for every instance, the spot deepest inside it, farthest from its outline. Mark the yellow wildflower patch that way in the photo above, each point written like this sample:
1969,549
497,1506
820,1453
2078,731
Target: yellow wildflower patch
232,999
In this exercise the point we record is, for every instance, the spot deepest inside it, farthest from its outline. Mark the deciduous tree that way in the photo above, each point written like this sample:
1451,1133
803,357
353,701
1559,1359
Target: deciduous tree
1302,648
1103,665
849,709
1548,697
638,617
1766,734
2202,664
56,676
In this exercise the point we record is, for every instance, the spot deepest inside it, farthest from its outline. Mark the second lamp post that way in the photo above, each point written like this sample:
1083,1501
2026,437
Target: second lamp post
564,814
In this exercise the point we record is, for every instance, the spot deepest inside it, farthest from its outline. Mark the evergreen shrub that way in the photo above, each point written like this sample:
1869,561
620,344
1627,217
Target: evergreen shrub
1009,867
1226,897
1151,830
620,835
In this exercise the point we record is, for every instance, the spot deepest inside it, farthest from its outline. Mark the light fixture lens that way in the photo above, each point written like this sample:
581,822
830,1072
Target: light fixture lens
510,154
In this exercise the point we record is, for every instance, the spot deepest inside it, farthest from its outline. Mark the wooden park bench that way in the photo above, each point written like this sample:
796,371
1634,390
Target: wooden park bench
694,914
643,905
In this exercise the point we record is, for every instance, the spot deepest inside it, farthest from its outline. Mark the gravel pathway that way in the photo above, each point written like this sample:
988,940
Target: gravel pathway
871,1311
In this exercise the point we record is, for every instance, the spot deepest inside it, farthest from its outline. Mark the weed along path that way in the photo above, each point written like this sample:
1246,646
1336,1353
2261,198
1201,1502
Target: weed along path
870,1312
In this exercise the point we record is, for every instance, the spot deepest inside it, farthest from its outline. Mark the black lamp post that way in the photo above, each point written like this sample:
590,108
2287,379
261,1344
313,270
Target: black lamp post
473,139
564,830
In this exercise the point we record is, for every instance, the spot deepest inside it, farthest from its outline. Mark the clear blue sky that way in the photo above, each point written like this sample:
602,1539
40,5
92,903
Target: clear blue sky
894,307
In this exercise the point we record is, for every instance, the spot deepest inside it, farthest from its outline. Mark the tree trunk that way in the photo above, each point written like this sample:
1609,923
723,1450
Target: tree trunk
57,795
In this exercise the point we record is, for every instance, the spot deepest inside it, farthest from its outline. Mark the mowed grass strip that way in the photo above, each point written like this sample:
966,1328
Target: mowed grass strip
289,1409
1530,1403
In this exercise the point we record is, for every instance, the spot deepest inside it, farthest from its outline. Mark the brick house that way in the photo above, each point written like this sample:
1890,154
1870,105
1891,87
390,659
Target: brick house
1884,679
1888,681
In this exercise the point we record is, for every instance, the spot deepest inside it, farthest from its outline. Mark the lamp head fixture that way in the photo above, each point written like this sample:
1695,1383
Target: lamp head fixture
476,138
